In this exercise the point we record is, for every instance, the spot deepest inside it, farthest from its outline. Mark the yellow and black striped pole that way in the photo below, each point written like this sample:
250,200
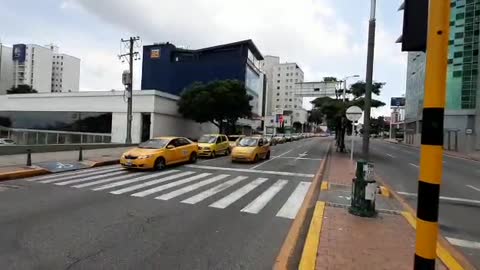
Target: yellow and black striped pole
432,134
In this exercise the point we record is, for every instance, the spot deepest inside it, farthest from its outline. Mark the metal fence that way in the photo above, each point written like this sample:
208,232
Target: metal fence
42,137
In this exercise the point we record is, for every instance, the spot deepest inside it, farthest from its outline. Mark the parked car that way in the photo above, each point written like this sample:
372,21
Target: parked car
6,141
234,139
251,149
271,140
280,138
210,145
157,153
288,138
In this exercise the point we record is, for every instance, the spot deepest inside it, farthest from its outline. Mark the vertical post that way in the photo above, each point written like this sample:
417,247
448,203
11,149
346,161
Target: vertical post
80,154
128,139
29,157
368,79
431,152
351,154
344,89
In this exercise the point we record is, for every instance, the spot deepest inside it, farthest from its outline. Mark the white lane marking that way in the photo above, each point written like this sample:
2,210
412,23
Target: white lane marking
472,187
193,187
443,198
414,165
150,183
237,194
266,161
291,207
213,159
463,243
392,156
259,203
170,185
250,171
210,192
90,178
57,179
138,179
302,158
72,173
302,155
121,177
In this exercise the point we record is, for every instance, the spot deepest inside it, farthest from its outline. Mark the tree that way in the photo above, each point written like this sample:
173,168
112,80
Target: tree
297,126
334,109
315,116
21,89
221,103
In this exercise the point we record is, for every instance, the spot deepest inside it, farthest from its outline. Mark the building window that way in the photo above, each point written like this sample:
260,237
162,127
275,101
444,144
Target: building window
278,74
278,99
286,80
278,81
278,87
290,100
287,74
278,94
459,35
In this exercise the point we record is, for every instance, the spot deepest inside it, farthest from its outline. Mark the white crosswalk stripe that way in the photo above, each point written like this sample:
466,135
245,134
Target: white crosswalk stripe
58,179
123,172
130,181
72,173
108,180
216,189
190,188
291,207
261,201
239,193
170,185
151,183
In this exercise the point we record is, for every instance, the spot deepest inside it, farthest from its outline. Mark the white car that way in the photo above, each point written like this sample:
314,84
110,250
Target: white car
5,141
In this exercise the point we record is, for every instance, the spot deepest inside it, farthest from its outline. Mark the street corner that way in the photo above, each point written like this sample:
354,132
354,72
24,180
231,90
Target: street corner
14,172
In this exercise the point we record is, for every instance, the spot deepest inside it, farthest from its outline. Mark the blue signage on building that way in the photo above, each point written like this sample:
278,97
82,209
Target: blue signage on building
19,51
397,102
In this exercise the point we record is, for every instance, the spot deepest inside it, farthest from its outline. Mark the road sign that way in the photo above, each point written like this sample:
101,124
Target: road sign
354,113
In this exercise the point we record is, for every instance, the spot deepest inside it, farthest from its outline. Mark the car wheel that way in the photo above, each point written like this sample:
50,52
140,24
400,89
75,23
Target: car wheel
193,157
213,155
160,164
268,155
255,159
227,152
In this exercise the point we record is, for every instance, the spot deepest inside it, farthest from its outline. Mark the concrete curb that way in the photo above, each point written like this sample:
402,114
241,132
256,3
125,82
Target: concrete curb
36,171
446,252
22,174
285,257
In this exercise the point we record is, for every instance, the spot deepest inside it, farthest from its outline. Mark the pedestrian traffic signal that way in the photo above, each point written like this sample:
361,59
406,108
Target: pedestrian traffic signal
415,24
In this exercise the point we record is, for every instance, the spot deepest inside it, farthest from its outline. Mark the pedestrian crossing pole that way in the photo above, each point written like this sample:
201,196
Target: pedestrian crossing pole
432,135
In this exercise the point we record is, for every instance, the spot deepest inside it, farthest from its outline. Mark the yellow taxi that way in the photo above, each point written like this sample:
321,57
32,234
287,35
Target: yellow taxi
211,145
251,149
159,152
234,139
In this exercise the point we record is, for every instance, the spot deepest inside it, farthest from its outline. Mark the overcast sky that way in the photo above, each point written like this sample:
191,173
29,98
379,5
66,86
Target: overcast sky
325,37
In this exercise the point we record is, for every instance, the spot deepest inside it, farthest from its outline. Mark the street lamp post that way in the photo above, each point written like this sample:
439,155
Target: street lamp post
345,85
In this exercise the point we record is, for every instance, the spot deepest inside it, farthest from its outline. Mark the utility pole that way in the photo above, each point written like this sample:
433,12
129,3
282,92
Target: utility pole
368,79
431,151
130,56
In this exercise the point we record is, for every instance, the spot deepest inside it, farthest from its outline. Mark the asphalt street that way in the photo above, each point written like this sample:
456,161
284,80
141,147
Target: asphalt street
459,215
211,215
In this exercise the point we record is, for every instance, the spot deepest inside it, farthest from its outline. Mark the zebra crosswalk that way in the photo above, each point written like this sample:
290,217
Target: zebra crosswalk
219,190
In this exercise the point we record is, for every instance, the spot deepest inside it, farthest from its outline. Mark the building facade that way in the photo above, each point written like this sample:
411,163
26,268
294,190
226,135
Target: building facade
6,69
280,94
462,114
170,69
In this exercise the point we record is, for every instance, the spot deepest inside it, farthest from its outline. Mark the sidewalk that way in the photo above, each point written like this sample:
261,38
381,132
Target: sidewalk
346,241
14,166
473,156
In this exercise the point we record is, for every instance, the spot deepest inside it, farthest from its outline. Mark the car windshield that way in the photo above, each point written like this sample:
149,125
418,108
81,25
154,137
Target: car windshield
207,139
248,142
233,138
154,144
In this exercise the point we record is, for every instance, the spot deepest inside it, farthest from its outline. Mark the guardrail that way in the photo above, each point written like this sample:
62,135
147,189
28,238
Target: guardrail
49,137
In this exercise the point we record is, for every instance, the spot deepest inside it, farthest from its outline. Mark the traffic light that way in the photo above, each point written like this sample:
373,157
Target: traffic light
415,24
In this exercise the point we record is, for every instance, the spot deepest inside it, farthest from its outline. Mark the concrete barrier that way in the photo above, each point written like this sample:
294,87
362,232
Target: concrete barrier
22,149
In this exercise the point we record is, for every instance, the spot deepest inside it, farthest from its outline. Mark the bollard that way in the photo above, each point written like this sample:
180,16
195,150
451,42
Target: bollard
363,191
29,157
80,154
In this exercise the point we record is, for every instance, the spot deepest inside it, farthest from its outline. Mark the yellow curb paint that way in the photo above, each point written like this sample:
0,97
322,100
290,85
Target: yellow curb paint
309,254
384,191
442,253
324,185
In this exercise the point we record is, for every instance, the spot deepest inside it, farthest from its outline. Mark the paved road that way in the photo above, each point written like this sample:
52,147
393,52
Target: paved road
460,203
212,215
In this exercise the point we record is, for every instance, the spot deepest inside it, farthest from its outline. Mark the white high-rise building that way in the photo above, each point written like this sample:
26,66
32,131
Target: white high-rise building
280,97
6,69
65,71
32,66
